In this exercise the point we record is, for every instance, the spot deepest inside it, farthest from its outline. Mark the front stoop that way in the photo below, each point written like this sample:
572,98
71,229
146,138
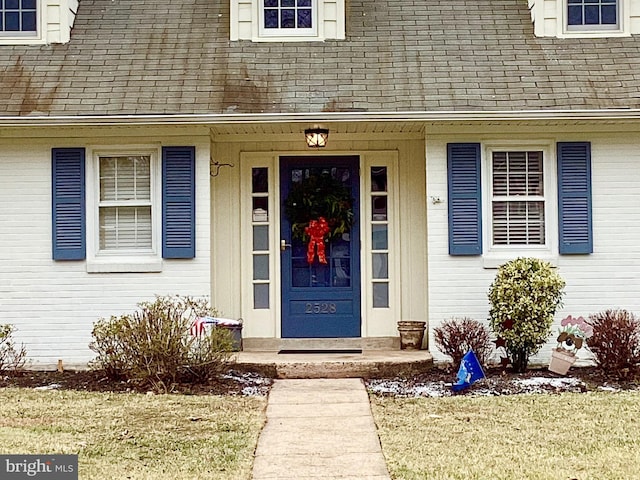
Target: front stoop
368,364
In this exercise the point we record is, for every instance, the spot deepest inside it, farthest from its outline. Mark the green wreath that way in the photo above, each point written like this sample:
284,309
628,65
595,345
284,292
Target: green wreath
319,196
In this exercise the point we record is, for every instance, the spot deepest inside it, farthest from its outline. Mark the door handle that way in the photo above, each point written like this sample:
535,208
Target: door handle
284,245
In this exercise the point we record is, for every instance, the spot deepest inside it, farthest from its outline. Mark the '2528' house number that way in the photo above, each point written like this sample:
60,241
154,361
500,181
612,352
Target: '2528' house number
317,308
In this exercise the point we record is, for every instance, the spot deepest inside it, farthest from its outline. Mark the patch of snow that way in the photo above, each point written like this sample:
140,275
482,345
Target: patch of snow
551,382
608,388
254,385
53,386
484,387
400,389
431,389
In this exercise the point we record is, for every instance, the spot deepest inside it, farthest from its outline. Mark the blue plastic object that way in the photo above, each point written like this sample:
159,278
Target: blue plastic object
469,372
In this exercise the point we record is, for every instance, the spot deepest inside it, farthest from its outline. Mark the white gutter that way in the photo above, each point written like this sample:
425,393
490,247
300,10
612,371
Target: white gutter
213,119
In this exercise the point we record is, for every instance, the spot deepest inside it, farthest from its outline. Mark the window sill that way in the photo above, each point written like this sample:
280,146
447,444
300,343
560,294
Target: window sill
593,34
287,38
125,265
21,40
494,260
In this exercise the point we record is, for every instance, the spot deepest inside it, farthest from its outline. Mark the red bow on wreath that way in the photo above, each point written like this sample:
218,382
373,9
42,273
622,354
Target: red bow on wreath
316,230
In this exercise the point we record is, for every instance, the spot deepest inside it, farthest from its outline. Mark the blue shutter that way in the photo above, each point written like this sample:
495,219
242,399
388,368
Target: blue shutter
68,203
178,202
464,199
574,197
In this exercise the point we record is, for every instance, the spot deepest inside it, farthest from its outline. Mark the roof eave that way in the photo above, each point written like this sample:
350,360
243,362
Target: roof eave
425,116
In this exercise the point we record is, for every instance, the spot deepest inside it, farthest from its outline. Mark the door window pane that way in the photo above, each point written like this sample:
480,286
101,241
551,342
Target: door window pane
379,179
261,296
379,237
380,265
261,267
260,180
379,208
380,295
260,237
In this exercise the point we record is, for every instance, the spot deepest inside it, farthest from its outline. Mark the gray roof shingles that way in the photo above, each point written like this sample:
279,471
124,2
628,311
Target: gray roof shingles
167,57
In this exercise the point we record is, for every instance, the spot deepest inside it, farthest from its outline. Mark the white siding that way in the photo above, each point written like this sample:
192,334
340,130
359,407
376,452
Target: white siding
608,278
54,304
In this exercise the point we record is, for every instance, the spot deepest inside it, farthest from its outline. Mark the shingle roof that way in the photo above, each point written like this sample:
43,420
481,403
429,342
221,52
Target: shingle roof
168,57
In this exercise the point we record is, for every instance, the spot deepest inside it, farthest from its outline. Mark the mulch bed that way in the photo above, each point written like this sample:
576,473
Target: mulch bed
438,379
499,381
231,383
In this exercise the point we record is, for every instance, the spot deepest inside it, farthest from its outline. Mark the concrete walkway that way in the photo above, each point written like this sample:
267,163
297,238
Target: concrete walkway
319,429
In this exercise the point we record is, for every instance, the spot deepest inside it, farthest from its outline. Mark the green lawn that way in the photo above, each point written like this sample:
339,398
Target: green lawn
560,437
135,436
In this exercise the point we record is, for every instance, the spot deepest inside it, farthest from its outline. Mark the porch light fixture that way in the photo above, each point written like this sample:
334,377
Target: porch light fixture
316,137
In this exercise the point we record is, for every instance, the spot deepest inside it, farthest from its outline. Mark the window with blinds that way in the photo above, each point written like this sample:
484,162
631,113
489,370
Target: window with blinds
518,198
125,219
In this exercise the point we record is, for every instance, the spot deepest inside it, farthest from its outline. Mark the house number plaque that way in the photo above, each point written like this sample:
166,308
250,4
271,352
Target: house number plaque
317,308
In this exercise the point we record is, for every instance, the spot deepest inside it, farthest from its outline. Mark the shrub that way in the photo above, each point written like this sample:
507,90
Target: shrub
455,337
615,342
12,357
524,297
154,347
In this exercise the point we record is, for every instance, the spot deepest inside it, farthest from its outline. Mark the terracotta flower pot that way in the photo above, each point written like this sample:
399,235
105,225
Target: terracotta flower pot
411,334
561,361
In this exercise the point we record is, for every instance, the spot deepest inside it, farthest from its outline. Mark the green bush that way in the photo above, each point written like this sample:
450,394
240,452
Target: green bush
153,345
524,297
615,342
12,357
456,336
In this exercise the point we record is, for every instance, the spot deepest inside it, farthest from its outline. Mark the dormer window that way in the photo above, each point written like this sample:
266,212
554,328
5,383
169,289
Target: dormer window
288,17
592,14
287,20
18,17
584,18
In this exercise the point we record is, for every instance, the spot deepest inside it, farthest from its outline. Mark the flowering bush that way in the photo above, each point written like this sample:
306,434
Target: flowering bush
573,333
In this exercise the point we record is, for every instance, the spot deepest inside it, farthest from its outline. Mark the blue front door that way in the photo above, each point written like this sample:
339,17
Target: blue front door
320,251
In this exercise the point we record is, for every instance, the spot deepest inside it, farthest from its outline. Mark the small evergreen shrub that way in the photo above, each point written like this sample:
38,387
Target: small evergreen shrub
524,297
456,336
154,347
615,342
12,357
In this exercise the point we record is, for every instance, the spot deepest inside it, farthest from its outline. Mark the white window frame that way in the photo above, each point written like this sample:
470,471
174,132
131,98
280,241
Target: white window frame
590,31
495,255
27,38
289,32
125,260
375,321
265,322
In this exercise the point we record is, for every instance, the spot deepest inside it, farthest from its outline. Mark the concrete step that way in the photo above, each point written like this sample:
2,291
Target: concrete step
368,364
